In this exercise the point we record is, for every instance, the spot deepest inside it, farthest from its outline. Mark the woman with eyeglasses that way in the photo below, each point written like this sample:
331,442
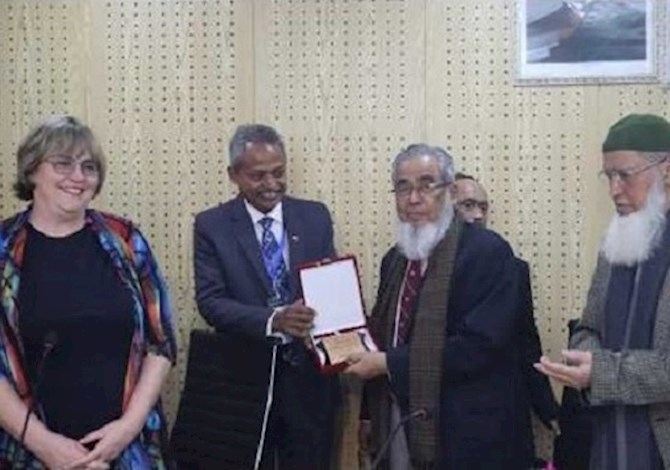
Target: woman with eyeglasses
86,339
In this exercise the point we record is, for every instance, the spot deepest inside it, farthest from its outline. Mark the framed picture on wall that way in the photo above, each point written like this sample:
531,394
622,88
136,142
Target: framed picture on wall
586,41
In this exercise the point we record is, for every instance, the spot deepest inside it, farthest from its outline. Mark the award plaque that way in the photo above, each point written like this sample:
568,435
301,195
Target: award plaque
333,290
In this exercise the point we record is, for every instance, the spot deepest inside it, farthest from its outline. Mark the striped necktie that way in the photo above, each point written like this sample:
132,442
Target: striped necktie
408,298
273,258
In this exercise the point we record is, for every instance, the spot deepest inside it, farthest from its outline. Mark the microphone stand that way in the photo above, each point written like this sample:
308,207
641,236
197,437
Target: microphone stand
50,340
420,413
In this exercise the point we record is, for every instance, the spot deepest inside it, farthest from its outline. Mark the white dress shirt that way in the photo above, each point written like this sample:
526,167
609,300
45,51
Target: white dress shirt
279,232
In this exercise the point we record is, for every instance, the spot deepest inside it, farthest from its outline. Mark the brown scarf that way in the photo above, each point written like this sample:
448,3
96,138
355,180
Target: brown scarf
426,345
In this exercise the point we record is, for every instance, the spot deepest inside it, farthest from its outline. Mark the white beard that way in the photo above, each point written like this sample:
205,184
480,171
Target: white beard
631,239
416,242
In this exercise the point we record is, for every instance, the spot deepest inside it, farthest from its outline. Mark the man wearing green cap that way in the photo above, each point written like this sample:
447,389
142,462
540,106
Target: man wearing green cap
621,347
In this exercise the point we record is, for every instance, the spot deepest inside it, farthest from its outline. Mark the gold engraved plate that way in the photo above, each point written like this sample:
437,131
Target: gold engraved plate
339,347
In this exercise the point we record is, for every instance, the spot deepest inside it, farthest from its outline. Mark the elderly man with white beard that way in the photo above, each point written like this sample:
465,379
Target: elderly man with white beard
444,319
620,352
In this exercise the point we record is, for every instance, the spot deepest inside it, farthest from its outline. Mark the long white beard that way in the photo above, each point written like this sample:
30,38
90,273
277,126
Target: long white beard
416,242
630,239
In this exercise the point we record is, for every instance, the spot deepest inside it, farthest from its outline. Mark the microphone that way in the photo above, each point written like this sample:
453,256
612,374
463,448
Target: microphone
423,414
50,342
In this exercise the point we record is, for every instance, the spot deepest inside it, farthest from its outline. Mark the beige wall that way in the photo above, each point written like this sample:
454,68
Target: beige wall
348,83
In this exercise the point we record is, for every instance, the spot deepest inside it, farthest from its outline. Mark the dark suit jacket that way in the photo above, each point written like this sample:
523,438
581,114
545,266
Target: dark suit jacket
481,370
232,291
536,392
231,284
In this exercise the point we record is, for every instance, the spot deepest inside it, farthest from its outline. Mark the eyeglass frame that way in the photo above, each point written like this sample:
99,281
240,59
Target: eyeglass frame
470,204
65,165
423,189
624,175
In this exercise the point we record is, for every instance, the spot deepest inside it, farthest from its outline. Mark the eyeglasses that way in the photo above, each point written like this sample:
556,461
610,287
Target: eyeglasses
423,188
472,204
65,165
626,175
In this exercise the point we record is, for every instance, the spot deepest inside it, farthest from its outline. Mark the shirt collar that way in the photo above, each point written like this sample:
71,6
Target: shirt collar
276,214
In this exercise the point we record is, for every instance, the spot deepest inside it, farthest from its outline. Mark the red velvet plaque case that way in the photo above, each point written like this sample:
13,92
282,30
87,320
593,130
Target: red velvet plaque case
333,290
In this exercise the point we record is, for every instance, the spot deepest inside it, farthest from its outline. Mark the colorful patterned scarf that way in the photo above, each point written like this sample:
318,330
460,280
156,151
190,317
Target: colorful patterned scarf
137,268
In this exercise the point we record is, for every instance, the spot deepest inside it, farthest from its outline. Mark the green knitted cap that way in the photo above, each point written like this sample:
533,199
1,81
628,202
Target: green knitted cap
640,132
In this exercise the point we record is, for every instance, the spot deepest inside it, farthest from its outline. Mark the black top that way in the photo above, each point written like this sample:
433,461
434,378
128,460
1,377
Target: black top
70,287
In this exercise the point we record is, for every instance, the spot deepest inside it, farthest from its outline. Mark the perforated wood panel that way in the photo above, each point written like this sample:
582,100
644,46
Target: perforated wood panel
168,92
344,81
158,82
348,83
38,73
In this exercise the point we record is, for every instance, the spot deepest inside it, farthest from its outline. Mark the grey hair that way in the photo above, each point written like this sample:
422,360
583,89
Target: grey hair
252,133
54,133
444,161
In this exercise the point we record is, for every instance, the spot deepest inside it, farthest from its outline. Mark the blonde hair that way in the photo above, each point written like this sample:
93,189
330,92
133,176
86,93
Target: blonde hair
55,133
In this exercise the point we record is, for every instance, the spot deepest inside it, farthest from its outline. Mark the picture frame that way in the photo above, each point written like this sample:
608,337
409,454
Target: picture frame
564,42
